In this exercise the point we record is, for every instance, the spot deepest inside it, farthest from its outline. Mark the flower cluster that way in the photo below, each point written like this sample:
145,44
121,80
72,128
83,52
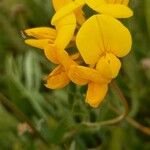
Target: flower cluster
99,40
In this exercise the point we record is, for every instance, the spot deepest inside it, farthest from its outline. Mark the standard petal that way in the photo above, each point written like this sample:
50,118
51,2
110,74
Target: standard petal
108,66
41,33
57,79
100,34
87,74
96,94
115,10
117,38
89,41
50,53
38,43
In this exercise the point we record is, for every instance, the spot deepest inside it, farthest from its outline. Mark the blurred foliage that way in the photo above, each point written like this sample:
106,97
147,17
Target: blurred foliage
35,118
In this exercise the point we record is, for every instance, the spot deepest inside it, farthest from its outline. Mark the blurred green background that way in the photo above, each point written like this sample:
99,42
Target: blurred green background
35,118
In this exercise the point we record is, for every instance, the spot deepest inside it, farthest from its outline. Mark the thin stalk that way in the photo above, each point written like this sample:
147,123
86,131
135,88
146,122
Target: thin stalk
121,96
134,123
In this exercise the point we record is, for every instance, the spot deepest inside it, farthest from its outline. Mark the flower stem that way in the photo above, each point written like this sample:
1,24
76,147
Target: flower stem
133,122
130,120
121,96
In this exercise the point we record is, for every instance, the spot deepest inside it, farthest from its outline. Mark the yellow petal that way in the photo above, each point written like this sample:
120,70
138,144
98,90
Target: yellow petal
65,31
57,70
65,59
75,77
65,22
38,43
117,38
115,10
79,2
50,53
100,34
96,94
57,4
66,10
90,41
57,79
86,73
94,4
64,36
42,33
109,66
124,2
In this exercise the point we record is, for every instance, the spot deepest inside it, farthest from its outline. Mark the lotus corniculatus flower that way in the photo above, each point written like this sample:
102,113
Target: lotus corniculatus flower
54,41
100,41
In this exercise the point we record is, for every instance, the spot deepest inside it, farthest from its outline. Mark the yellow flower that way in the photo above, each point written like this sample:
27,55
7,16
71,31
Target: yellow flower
102,33
61,36
97,78
100,40
58,78
114,8
54,41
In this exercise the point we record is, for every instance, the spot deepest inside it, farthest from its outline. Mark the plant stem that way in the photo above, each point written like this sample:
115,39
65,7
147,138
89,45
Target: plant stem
121,96
134,123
